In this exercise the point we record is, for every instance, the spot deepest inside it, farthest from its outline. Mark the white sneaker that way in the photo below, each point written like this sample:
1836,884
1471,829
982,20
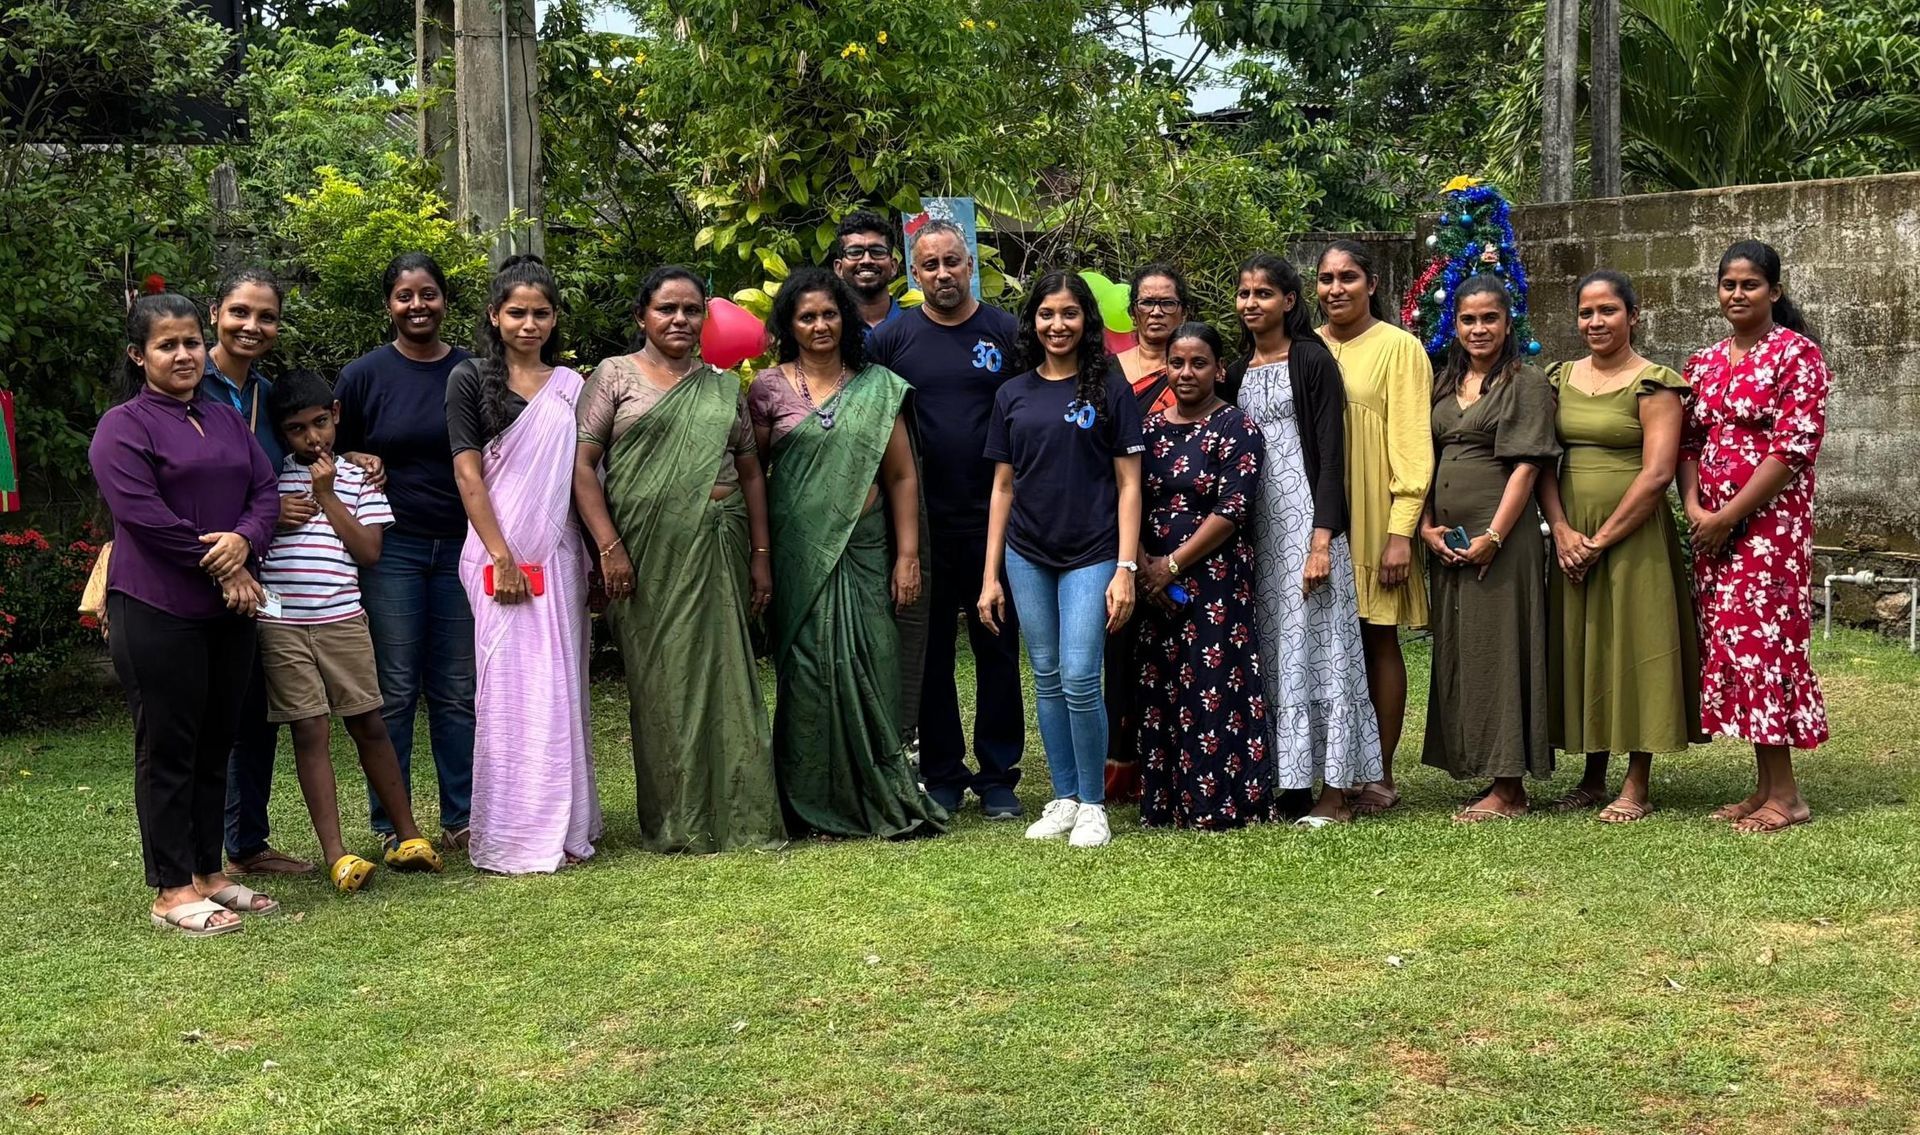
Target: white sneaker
1090,827
1056,820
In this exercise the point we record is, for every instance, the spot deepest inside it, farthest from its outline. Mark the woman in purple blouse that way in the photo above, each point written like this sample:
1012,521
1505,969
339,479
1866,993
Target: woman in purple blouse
193,503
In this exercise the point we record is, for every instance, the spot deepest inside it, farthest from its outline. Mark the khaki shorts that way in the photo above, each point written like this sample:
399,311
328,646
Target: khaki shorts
314,670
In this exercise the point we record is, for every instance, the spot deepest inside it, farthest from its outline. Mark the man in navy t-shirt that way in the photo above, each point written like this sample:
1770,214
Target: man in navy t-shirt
956,352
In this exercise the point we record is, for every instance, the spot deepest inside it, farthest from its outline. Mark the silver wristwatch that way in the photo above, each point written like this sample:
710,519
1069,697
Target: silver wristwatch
1129,565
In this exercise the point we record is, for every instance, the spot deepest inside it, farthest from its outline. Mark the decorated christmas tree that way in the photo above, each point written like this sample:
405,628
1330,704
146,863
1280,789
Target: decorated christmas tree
1474,237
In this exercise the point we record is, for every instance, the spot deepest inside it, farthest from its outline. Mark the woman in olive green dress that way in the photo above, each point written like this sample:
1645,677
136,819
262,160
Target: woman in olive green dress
1623,661
1493,431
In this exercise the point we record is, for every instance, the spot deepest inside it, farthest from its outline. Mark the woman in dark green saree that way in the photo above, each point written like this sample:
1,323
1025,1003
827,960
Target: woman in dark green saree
830,433
681,529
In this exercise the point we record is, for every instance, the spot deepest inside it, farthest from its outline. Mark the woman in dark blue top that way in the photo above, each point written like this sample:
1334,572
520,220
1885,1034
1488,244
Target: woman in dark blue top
393,404
1065,519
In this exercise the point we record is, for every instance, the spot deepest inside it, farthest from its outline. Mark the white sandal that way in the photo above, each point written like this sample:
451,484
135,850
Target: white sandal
239,900
195,919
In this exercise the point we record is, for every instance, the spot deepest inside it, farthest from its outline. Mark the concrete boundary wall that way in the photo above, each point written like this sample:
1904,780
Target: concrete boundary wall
1852,254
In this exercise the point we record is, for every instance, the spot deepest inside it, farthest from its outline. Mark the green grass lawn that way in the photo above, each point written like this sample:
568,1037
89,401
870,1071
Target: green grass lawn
1402,975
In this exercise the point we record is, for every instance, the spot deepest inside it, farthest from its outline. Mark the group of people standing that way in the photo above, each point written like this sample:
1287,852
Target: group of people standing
1209,553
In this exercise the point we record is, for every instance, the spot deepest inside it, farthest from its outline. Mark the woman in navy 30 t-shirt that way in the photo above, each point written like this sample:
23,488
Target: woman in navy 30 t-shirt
1065,518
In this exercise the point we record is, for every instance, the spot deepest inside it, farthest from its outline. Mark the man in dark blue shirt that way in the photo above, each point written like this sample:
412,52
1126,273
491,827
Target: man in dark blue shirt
863,257
956,352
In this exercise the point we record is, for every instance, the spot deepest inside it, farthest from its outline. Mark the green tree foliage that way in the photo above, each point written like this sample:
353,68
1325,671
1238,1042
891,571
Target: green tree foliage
81,225
778,118
614,203
1731,92
1127,192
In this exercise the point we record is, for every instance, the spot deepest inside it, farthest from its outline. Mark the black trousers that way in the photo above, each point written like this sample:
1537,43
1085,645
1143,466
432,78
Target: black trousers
999,717
184,679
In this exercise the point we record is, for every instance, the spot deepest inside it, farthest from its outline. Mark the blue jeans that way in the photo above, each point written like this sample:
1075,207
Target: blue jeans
423,642
250,770
1064,617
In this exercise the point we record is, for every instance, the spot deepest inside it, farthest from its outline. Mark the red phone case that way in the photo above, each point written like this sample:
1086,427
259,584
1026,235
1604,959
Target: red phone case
536,579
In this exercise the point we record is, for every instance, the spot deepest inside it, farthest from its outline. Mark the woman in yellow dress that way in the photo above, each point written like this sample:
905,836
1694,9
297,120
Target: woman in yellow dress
1389,468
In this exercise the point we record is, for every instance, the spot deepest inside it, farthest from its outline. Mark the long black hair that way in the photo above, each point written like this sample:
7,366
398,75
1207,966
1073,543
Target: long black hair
655,280
413,262
1761,255
523,271
1447,380
1363,260
147,311
786,304
1090,365
1281,273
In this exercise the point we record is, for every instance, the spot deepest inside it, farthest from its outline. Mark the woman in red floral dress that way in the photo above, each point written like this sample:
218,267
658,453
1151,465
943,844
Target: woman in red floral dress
1752,431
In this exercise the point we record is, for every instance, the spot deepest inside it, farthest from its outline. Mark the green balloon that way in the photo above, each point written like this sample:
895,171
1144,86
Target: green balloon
1116,308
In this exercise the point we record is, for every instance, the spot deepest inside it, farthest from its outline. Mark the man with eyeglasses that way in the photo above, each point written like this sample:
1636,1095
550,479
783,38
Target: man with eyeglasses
863,257
956,352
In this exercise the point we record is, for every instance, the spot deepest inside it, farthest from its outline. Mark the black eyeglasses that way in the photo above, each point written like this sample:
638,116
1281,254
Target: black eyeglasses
866,252
1158,305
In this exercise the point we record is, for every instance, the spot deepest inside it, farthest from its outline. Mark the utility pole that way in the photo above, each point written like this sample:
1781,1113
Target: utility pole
487,143
1561,47
1603,96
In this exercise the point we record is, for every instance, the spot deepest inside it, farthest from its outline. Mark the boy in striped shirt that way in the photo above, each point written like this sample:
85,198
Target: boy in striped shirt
314,645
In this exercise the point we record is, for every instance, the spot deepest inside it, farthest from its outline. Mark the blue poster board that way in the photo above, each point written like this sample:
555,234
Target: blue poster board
960,211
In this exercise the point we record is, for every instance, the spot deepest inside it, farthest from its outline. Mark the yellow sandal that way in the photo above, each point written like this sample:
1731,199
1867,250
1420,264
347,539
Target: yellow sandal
414,855
349,873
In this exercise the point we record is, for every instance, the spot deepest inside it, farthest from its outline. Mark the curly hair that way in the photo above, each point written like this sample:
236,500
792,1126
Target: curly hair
523,271
1090,366
786,305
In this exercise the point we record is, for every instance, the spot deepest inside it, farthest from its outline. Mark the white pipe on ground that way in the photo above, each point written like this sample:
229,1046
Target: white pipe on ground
1864,577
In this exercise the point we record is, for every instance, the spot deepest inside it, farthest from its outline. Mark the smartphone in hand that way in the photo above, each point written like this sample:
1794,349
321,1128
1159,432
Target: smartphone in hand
536,578
1457,538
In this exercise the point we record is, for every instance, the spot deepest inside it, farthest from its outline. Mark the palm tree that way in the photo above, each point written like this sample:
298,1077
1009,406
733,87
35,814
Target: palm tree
1734,92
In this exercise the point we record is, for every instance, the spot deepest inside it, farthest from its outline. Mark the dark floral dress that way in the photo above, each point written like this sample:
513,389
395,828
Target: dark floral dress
1203,706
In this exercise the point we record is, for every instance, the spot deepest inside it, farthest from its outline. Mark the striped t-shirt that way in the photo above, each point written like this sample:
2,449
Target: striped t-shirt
309,568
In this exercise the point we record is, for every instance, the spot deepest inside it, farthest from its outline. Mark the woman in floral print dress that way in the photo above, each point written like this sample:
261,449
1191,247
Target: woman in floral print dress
1202,701
1752,432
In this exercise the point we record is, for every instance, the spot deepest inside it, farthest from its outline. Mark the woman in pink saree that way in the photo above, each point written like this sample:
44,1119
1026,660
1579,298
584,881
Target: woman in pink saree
510,418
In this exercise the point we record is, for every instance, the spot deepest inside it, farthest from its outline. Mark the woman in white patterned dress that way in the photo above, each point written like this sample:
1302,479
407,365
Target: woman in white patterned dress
1322,721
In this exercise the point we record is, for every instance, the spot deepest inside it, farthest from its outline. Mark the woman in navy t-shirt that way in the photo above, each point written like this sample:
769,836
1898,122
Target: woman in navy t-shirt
1065,518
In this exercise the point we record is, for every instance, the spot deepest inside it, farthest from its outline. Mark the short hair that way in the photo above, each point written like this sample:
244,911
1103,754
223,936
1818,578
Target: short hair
298,390
943,225
860,221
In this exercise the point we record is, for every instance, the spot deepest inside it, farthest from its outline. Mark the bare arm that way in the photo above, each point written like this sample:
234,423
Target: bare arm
1120,592
902,483
590,501
509,584
993,599
753,483
362,541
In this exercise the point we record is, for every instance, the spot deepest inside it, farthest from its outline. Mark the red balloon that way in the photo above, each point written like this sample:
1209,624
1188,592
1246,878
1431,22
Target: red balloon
1118,341
732,334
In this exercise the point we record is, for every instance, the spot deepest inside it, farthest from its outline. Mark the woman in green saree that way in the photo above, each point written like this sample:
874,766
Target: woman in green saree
830,432
683,490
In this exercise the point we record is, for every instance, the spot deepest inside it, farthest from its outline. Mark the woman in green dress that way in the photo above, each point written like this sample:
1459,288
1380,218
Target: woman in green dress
683,490
1493,431
839,469
1623,660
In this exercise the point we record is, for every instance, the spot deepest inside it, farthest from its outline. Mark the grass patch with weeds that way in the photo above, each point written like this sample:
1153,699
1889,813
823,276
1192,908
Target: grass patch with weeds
1404,974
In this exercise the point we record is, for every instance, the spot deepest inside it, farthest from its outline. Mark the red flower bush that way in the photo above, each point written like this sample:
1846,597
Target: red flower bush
40,585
